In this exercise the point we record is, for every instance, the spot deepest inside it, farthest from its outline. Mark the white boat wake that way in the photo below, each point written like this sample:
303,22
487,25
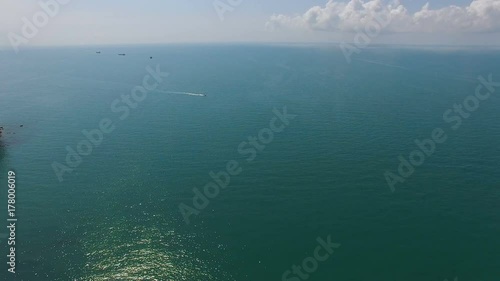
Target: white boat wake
181,93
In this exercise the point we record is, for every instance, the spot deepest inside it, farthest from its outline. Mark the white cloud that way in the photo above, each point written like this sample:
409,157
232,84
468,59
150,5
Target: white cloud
479,16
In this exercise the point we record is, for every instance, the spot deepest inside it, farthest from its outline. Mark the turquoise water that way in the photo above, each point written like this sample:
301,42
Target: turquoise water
116,216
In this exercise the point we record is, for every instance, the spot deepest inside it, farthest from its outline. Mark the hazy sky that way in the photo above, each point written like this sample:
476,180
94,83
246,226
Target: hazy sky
83,22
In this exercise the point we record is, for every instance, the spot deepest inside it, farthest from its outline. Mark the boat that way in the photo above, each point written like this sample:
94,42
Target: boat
121,54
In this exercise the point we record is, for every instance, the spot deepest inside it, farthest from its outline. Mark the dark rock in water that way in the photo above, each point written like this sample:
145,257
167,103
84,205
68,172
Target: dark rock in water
150,58
21,126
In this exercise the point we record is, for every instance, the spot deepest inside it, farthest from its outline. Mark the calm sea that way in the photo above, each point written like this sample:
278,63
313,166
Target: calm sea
116,215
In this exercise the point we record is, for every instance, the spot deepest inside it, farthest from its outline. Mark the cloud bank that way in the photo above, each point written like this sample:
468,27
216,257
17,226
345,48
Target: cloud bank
335,16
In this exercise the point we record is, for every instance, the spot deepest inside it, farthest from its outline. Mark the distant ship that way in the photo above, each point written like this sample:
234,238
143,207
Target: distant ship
98,52
121,54
197,94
